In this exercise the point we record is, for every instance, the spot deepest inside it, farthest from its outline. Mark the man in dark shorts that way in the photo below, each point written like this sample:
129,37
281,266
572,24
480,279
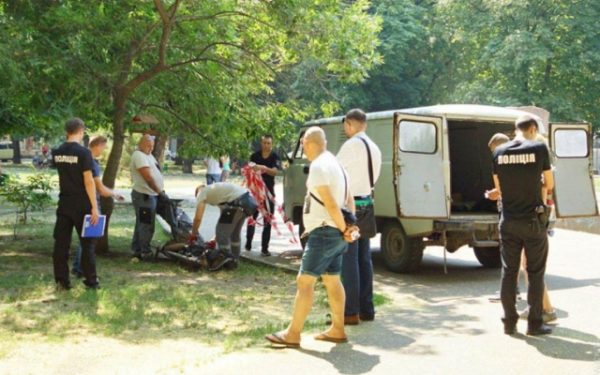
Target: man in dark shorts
76,199
267,163
518,166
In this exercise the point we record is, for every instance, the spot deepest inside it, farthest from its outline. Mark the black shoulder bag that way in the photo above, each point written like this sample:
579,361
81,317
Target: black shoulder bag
365,213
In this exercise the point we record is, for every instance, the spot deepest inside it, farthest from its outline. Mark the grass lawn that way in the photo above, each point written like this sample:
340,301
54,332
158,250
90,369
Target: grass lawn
139,302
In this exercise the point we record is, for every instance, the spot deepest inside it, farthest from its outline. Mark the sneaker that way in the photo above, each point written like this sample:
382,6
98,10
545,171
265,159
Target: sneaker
265,253
248,246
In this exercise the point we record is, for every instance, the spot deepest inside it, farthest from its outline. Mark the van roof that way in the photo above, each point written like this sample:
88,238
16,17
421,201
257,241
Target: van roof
450,111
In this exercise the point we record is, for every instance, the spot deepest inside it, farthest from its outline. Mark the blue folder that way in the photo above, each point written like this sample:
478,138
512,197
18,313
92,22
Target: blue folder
93,231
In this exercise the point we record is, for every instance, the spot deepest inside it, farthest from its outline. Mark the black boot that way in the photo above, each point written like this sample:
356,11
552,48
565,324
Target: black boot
510,325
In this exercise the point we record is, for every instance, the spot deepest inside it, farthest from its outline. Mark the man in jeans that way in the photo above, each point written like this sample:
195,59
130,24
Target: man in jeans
77,198
357,268
328,235
147,186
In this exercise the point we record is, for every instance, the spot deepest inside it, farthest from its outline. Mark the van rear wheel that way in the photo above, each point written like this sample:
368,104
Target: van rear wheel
401,253
488,256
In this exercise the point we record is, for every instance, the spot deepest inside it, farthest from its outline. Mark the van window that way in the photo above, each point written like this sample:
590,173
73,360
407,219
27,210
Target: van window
417,137
5,146
571,143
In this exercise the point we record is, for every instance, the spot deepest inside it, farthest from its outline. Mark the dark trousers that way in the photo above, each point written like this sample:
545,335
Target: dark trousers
145,215
69,216
357,277
266,233
516,235
229,229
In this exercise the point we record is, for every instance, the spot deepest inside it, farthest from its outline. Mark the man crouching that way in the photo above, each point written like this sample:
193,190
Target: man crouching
236,205
327,240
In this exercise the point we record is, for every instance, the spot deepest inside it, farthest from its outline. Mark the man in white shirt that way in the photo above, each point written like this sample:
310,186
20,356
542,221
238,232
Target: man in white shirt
236,204
213,170
147,185
328,235
357,267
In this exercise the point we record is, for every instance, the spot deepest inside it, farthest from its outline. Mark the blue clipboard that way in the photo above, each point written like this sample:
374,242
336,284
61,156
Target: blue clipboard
93,231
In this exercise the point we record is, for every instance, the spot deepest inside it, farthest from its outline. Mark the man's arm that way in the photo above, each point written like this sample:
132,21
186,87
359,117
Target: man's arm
147,176
548,180
105,191
331,206
198,218
90,189
264,169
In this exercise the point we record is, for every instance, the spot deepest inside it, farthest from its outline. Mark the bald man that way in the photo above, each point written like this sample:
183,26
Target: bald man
147,186
328,237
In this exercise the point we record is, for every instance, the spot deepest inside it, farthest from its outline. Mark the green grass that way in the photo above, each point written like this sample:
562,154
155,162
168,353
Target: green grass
138,302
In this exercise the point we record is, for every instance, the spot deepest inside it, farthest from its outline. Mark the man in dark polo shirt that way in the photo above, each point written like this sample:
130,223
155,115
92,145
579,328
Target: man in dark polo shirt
521,169
267,163
76,199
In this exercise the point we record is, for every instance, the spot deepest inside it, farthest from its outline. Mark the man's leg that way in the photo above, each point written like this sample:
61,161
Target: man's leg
365,267
305,285
336,298
236,241
250,229
511,245
62,242
88,258
135,241
146,212
536,249
351,280
266,233
76,267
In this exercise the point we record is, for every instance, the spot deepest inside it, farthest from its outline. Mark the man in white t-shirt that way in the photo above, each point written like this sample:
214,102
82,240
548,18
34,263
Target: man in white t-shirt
357,268
236,204
213,170
148,184
328,236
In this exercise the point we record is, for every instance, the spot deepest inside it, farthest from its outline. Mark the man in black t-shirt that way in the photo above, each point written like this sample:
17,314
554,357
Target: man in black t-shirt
518,166
267,163
76,199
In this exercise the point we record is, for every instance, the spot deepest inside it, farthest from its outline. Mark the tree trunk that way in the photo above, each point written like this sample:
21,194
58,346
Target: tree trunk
187,166
178,159
112,165
16,145
159,148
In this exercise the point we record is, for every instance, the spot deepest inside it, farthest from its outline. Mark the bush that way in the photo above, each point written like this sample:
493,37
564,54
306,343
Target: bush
29,195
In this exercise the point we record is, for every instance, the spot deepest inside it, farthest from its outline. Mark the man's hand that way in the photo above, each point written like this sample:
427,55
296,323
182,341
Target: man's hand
351,233
492,195
118,197
258,168
94,214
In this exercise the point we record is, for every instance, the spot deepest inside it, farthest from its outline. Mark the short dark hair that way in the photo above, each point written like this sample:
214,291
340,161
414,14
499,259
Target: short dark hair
73,125
99,140
267,136
525,123
356,114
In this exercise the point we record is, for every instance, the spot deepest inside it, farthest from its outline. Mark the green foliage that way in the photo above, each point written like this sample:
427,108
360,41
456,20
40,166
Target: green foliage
29,195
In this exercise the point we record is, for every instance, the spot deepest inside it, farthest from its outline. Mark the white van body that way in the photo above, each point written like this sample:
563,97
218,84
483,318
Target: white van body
436,167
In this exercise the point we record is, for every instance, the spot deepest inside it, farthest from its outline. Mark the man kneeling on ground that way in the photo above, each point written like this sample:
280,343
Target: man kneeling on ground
236,205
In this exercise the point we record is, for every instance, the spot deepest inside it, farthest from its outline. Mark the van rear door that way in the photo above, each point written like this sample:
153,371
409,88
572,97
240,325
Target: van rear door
419,181
294,181
574,193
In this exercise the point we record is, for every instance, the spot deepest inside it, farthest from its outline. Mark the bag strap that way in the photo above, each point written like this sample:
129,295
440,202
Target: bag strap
370,161
345,189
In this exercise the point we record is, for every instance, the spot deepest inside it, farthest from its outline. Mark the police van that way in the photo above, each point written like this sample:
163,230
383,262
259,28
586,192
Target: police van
436,167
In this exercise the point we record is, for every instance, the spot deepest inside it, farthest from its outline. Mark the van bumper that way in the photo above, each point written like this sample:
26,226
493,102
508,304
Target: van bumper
460,230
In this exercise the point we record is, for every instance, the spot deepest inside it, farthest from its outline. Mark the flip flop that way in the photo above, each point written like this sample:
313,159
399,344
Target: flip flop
276,339
326,337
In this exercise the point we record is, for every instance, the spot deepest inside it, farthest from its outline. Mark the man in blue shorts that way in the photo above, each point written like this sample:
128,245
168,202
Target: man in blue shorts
328,237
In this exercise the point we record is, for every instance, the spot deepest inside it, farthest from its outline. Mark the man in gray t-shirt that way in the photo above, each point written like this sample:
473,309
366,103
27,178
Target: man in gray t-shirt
148,184
236,204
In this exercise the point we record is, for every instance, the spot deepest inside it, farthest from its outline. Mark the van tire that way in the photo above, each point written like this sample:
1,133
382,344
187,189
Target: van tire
401,253
489,257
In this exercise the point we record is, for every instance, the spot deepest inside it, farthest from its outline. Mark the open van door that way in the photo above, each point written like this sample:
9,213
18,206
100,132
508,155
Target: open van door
294,182
573,179
419,181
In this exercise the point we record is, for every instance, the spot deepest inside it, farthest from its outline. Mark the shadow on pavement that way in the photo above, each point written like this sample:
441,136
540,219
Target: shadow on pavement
346,359
565,343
